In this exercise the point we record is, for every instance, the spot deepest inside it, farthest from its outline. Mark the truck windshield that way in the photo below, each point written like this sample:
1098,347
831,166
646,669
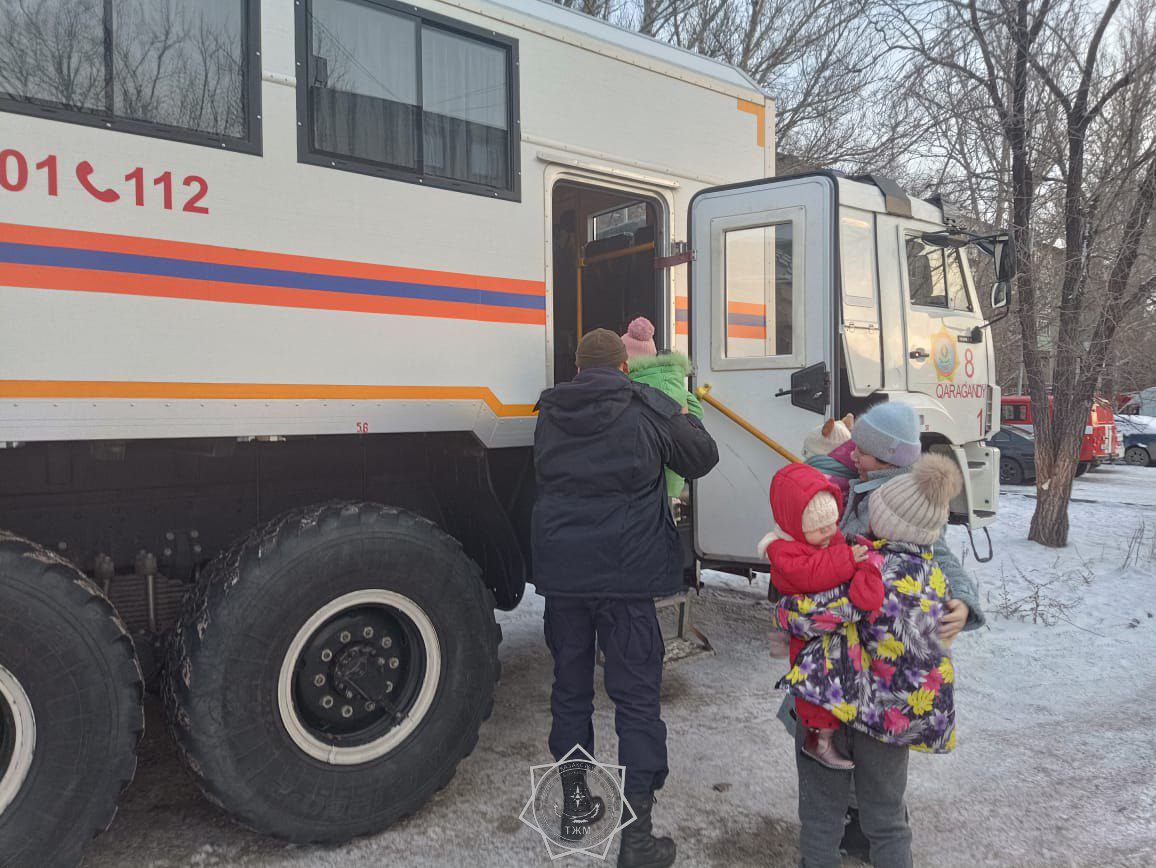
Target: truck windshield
936,276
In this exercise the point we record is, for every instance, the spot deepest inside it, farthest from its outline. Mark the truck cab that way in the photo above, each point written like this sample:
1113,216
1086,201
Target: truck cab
818,295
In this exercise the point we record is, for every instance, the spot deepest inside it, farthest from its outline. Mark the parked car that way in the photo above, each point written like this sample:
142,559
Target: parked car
1139,439
1017,456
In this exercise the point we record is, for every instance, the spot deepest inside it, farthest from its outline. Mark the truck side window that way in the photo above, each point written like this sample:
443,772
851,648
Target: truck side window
857,248
759,291
363,83
935,277
169,68
402,93
1014,413
623,220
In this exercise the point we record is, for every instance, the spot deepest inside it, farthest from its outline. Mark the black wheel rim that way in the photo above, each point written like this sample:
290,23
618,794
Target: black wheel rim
1008,471
358,675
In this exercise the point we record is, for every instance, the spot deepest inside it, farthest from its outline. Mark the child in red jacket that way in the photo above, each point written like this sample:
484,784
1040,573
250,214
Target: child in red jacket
808,555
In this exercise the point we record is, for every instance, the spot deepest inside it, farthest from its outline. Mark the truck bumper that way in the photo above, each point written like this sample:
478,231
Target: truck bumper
977,505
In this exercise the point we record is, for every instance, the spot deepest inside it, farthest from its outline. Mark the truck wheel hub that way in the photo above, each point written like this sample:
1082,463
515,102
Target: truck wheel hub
358,676
354,673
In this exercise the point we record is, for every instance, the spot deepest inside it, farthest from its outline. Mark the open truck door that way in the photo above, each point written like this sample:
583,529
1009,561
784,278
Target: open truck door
761,336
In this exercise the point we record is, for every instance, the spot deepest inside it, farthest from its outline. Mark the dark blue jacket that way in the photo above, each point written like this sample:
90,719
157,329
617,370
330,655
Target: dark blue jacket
602,523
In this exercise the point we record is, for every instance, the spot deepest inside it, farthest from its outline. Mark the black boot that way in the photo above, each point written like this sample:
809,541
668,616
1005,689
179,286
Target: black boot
579,809
854,842
640,849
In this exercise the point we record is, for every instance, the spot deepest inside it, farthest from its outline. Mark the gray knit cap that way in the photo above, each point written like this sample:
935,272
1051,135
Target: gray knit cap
913,507
889,432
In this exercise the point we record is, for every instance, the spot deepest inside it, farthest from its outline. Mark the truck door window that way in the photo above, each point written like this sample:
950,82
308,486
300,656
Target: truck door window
403,93
759,291
957,295
170,68
935,277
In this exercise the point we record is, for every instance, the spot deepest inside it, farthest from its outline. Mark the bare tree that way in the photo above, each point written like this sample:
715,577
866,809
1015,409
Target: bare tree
1071,96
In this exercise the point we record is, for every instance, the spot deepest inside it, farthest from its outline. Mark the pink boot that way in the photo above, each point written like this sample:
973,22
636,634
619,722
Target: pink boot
819,745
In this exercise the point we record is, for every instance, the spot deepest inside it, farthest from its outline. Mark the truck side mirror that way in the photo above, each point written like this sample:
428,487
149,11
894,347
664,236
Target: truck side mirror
1000,294
810,388
1004,254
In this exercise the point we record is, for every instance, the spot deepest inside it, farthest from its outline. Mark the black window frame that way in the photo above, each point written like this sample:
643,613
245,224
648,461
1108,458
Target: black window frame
250,144
307,154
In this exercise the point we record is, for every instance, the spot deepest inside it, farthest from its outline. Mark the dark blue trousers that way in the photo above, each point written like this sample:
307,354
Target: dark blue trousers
628,634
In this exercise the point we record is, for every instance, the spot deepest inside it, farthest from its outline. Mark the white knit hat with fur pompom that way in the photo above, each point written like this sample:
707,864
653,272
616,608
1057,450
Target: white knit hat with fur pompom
827,437
821,511
913,508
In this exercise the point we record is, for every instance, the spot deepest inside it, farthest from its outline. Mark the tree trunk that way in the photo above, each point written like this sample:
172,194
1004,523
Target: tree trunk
1055,472
1050,520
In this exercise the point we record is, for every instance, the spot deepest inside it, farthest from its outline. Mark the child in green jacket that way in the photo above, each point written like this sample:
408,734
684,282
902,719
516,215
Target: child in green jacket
666,371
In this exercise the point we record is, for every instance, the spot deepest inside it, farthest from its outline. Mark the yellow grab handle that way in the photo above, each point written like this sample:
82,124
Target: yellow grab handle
703,393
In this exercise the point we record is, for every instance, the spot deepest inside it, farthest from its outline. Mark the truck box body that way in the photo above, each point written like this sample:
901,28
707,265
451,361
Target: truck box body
311,300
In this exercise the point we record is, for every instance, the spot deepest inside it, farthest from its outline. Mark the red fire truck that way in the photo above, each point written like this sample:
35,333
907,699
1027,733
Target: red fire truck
1100,440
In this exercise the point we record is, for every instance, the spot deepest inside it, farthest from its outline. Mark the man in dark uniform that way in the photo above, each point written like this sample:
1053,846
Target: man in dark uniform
604,546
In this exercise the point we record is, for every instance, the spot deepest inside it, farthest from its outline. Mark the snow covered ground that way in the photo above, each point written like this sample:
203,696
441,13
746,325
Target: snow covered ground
1056,762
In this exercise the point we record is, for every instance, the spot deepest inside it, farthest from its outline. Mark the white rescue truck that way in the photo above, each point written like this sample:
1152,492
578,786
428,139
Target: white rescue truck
280,284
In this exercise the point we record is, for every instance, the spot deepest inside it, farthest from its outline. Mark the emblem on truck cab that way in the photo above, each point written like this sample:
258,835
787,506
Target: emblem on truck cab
943,352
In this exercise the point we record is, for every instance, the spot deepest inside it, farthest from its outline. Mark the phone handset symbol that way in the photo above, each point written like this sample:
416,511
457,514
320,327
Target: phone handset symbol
84,176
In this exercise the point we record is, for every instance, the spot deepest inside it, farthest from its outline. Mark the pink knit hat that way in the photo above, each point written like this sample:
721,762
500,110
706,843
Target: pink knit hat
639,338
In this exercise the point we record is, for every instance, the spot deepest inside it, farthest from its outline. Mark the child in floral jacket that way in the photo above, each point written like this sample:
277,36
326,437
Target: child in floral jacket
815,568
899,687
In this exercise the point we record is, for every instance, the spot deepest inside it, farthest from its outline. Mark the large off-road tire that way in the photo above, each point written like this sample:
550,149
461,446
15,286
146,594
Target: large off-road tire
1083,467
70,708
300,648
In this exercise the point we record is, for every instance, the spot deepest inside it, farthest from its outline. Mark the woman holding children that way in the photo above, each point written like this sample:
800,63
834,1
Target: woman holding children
871,611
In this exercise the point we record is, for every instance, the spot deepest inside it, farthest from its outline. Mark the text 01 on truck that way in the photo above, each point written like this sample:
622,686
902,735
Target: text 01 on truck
279,287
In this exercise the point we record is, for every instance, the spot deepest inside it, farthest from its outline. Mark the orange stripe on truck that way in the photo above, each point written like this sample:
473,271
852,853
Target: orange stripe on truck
121,283
76,239
42,258
183,391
